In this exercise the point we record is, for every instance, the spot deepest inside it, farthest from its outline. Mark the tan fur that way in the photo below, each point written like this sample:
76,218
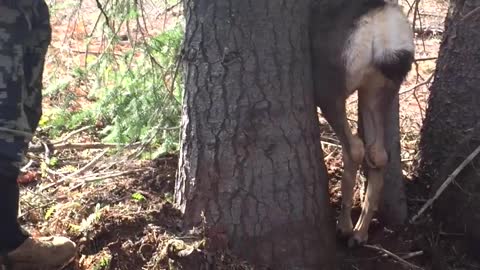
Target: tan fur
379,34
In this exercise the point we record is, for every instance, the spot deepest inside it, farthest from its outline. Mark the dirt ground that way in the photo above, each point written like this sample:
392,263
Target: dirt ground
119,211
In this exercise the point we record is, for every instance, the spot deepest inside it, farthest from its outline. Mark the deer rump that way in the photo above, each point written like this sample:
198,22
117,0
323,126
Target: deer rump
365,46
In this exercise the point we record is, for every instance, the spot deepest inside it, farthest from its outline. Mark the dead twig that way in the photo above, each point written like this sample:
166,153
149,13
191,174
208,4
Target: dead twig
330,144
425,59
47,153
412,254
396,257
91,179
80,146
421,109
427,81
24,168
428,31
112,175
71,134
446,183
107,19
52,172
451,234
80,171
470,14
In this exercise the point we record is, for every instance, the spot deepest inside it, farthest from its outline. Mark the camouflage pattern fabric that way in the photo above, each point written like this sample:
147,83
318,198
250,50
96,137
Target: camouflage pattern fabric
25,34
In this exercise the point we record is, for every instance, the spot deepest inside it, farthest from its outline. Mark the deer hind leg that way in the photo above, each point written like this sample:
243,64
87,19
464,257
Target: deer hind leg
374,102
353,154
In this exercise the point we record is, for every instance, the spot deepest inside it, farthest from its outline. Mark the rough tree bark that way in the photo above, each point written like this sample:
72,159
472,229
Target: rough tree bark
453,106
394,207
452,117
251,162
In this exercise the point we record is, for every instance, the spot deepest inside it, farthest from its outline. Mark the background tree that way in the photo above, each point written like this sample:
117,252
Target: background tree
251,160
452,117
394,207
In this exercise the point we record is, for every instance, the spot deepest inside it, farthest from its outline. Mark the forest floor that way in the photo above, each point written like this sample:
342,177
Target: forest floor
119,210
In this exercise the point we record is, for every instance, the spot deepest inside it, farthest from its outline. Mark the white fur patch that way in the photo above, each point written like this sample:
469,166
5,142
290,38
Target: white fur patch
378,35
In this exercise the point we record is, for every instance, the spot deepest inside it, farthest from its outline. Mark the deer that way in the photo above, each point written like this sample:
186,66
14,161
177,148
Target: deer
365,46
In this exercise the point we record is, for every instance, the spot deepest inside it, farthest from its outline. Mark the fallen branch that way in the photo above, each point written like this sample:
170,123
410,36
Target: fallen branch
52,172
71,134
107,176
446,183
47,152
412,254
103,176
80,171
432,14
470,14
428,31
330,144
451,234
330,140
427,81
396,257
425,59
25,168
80,146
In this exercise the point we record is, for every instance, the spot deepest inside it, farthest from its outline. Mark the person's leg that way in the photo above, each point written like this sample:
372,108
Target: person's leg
25,34
11,236
13,141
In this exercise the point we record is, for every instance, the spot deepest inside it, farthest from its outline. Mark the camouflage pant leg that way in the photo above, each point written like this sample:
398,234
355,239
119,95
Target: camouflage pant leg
25,34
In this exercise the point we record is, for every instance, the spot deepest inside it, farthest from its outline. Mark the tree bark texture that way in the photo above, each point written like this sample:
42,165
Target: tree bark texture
451,130
251,164
457,209
454,103
394,207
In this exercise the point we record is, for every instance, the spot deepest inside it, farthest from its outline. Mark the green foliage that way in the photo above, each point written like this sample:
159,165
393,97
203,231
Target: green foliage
138,197
138,98
53,162
50,212
104,262
134,93
60,120
87,223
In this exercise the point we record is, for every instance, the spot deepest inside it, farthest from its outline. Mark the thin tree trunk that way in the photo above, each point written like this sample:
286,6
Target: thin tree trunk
394,207
251,164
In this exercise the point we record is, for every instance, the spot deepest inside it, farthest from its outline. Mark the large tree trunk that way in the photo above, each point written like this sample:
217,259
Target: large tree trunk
251,163
453,113
454,103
